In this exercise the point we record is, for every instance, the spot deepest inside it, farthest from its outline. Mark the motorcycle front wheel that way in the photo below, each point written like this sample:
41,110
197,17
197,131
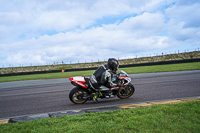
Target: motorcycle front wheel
127,92
78,95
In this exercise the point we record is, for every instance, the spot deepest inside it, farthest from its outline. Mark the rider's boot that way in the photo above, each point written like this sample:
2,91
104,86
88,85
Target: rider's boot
95,96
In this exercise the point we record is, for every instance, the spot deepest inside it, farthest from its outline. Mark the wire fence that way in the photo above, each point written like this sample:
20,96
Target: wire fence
98,60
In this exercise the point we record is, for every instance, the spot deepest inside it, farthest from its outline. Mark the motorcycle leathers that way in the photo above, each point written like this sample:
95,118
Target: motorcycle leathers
102,77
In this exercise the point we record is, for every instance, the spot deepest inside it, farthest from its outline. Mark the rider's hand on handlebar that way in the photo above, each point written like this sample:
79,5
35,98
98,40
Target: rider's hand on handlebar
120,84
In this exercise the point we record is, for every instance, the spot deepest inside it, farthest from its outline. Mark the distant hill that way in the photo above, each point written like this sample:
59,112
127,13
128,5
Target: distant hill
170,57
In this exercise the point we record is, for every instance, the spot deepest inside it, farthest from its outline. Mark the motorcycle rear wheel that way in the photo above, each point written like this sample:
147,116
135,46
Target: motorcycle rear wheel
76,95
127,92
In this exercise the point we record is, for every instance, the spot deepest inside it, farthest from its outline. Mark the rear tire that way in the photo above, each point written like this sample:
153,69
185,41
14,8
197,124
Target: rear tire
76,94
127,92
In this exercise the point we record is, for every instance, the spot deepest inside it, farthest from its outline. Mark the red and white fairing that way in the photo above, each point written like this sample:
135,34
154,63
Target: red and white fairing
79,80
119,88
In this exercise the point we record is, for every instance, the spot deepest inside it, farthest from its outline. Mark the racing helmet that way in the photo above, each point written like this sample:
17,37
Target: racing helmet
113,64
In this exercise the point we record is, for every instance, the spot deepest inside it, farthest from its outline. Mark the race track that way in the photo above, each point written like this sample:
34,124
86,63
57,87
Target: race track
41,96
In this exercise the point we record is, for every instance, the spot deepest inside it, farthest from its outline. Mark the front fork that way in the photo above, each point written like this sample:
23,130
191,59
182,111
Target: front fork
124,88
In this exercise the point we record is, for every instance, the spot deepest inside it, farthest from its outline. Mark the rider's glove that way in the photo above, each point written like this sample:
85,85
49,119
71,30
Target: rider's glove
120,84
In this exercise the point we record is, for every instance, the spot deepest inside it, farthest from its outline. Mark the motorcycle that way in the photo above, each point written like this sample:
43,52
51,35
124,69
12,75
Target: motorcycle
84,92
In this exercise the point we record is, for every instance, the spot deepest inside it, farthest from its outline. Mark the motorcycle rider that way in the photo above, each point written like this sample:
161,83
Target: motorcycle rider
102,77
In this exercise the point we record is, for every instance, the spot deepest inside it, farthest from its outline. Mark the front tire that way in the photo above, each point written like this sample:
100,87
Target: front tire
127,92
76,95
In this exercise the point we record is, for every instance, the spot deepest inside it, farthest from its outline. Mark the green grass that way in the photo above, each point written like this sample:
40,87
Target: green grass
164,68
176,118
130,70
46,76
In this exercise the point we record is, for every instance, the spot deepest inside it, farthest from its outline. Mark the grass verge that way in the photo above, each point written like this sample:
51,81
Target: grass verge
181,118
130,70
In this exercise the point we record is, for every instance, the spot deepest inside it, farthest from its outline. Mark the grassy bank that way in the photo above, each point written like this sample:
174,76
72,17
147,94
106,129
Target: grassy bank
130,70
181,118
170,57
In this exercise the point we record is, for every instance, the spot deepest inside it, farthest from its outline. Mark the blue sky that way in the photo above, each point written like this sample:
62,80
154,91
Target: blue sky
42,32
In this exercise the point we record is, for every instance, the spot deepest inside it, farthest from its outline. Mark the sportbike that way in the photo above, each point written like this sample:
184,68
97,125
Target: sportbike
84,92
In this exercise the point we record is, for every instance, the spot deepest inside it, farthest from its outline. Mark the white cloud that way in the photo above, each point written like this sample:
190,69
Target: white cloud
189,14
47,31
120,38
184,22
34,18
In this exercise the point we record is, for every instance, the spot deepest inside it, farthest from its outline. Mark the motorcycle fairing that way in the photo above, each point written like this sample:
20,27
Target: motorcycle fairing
78,80
127,79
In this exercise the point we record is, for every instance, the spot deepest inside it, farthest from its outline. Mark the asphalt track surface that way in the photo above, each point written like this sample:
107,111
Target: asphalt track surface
41,96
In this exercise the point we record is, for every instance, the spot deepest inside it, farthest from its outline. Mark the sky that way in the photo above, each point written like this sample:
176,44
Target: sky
38,32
